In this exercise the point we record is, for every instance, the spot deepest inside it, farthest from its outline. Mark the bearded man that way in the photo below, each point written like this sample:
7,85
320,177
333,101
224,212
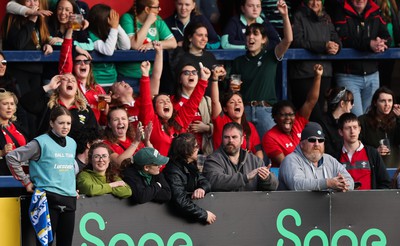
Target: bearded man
231,168
308,168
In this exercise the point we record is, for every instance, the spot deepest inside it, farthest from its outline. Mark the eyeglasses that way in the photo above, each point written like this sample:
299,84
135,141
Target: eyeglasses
313,140
351,101
80,62
154,7
4,62
188,72
98,157
288,115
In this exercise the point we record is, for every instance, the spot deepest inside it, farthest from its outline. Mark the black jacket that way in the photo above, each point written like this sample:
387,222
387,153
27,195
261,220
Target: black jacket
20,38
357,31
379,176
35,102
184,178
333,141
141,192
312,32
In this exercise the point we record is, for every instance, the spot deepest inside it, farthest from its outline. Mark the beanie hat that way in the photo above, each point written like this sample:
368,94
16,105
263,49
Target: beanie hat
312,129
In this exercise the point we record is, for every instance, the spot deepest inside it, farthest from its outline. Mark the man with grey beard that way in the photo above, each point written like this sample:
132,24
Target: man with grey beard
231,168
308,168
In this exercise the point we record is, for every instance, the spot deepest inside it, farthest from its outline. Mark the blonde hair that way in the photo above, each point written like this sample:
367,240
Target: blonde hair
7,94
79,102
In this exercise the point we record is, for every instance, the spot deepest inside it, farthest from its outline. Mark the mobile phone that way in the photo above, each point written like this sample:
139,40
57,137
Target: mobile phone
142,133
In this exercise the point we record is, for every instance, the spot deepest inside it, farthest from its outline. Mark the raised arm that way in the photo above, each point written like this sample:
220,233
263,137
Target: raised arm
216,107
17,9
187,112
313,94
284,44
146,110
65,61
157,68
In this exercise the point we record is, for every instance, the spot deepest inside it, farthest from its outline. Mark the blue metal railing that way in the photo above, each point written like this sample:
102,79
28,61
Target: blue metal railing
222,55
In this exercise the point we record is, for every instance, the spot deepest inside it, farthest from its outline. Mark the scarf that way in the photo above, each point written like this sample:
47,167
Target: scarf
147,177
40,217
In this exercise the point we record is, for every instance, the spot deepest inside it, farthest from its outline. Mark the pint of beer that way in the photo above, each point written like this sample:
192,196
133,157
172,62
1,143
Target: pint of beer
77,20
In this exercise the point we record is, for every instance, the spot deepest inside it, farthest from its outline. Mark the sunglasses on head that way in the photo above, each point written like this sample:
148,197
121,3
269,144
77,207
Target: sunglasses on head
313,140
188,72
79,62
3,62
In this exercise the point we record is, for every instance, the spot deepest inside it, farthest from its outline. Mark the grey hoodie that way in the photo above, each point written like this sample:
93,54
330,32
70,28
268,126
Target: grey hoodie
298,173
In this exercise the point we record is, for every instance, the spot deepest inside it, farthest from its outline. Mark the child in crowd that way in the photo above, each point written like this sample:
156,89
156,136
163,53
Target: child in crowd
57,181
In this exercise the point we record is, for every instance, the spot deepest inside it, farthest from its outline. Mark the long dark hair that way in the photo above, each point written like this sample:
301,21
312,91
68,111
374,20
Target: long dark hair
112,171
243,121
98,19
54,24
171,123
19,21
182,147
90,82
189,31
178,85
108,134
385,122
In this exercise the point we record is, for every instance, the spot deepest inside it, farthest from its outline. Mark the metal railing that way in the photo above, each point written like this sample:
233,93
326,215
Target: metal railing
222,55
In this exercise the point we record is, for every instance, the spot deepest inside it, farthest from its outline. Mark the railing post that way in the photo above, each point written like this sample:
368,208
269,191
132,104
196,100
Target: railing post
284,79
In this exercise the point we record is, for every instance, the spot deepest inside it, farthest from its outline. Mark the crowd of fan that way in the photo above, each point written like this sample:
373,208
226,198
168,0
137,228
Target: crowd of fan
125,125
